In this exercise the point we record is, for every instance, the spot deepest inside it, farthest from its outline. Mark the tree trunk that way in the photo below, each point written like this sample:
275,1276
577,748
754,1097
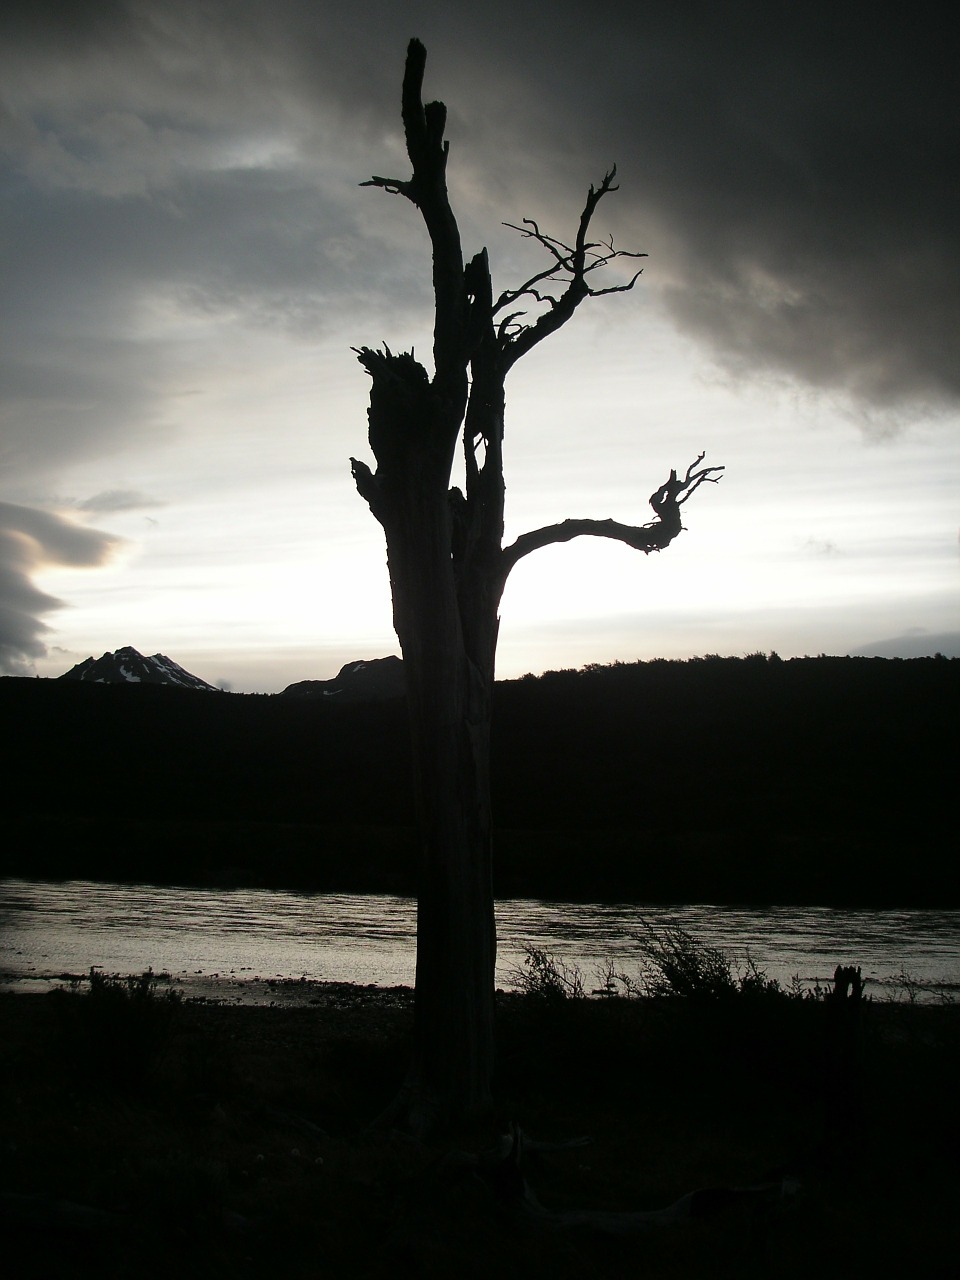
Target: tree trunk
449,702
448,659
449,1080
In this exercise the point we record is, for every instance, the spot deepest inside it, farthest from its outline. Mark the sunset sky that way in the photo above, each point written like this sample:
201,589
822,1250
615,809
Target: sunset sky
188,259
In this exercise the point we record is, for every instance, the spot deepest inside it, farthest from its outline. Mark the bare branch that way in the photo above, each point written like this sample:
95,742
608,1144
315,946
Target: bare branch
620,288
531,231
393,185
646,538
594,256
656,535
569,269
693,479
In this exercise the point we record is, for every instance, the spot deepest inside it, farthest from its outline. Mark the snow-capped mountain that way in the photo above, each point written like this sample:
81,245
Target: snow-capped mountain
127,666
363,681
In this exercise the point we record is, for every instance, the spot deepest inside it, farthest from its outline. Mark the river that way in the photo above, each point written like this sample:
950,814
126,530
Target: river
233,942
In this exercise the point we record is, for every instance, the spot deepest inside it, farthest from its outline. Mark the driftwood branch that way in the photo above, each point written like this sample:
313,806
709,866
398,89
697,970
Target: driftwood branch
656,535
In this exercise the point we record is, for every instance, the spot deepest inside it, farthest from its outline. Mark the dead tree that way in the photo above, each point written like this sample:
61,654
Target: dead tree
448,568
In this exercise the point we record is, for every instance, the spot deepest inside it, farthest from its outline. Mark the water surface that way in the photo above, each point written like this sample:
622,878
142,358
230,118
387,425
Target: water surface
248,936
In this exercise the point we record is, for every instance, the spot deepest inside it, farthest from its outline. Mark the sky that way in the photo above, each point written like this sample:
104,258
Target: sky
188,259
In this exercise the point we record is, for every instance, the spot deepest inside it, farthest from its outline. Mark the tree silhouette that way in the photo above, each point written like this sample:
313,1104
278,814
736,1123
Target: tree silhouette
448,568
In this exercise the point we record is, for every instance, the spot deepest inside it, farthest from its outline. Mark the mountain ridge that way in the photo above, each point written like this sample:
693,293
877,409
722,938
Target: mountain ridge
363,680
128,666
356,681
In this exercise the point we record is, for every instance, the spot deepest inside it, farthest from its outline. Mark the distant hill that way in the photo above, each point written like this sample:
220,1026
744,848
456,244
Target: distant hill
912,644
127,666
362,681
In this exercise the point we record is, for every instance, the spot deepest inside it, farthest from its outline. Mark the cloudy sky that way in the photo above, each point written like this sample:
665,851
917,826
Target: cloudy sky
188,259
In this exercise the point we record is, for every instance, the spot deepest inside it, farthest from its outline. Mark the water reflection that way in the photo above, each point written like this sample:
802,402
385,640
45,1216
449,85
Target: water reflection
47,930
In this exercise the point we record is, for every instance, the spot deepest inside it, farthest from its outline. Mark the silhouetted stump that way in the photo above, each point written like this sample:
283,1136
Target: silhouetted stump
844,1091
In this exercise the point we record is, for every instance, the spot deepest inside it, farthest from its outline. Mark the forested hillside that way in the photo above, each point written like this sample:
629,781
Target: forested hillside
825,779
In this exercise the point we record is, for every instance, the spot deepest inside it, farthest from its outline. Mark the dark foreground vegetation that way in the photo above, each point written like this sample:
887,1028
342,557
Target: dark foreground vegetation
823,780
146,1136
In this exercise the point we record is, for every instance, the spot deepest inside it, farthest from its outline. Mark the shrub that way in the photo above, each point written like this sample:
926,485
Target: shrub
545,977
679,964
753,981
119,1029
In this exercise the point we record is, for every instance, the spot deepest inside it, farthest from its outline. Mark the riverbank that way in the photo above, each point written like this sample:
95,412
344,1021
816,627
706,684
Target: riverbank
204,1138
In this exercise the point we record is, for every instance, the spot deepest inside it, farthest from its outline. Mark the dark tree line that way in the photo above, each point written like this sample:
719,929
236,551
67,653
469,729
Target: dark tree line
820,780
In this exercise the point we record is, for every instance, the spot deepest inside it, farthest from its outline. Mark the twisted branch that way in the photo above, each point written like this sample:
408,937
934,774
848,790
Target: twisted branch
656,535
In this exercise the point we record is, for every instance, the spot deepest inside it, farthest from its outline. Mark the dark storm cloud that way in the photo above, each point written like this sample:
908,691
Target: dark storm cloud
31,540
803,165
789,168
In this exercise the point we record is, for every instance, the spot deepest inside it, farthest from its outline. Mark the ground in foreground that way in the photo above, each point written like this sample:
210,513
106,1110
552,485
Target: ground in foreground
151,1136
